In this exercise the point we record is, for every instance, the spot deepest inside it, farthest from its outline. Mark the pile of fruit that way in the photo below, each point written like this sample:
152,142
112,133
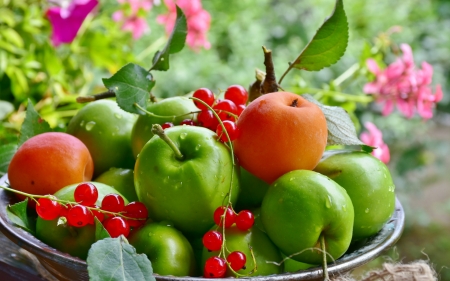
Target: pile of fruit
204,184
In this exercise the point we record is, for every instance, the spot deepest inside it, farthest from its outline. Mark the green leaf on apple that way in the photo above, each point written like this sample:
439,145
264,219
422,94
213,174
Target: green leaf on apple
132,85
6,153
341,129
17,214
32,125
100,230
175,44
328,44
115,259
367,148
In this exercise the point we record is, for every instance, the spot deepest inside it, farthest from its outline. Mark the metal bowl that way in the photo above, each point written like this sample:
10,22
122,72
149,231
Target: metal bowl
65,267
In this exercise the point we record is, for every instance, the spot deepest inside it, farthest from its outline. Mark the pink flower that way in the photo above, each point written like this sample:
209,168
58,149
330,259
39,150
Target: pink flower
67,20
133,21
404,86
374,138
198,21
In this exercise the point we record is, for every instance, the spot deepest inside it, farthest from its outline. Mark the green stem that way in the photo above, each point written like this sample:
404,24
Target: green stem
291,65
324,261
348,97
158,130
163,116
347,74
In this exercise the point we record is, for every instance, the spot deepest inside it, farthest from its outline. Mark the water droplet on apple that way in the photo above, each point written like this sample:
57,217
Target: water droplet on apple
328,202
82,123
90,125
385,176
183,136
344,207
291,179
118,116
367,210
197,147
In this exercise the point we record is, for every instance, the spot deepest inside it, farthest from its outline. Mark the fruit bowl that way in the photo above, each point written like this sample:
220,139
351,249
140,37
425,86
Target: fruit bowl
66,267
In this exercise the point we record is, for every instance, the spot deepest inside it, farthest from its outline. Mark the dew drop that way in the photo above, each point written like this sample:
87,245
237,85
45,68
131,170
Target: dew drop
291,179
275,184
118,116
344,207
183,136
82,123
197,147
328,202
90,125
367,210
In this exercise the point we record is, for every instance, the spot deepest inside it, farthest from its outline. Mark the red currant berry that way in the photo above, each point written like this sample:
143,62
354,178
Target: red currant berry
167,125
207,119
205,95
86,194
223,108
188,122
215,267
231,128
237,260
245,220
240,108
212,240
136,210
99,215
64,210
229,216
79,216
237,94
113,203
48,209
117,226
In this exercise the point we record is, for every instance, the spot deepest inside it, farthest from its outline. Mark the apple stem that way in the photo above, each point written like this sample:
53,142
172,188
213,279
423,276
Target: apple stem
324,262
269,85
158,130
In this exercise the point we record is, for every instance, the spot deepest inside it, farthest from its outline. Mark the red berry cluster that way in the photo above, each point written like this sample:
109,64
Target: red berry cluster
215,267
116,217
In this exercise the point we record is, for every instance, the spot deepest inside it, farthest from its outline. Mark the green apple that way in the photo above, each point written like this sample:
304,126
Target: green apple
75,241
173,109
265,252
303,210
186,190
252,191
121,180
167,248
368,183
106,131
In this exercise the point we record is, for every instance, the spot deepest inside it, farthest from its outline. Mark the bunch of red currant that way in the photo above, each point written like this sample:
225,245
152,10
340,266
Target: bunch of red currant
213,240
116,217
228,110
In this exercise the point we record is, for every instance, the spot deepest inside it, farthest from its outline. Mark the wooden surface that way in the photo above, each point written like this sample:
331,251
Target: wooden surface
18,264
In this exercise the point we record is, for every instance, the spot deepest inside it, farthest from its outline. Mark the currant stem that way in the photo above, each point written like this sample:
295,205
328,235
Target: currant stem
164,116
158,130
104,95
324,261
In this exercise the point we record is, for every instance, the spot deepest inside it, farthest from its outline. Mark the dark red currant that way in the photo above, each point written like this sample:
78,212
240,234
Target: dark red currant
207,119
223,108
99,215
229,216
212,240
188,122
86,194
231,128
79,216
215,267
136,210
237,260
245,220
167,125
48,209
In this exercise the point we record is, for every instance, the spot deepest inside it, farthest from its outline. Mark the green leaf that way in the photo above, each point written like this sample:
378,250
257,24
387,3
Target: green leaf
17,214
175,44
114,259
32,125
6,153
367,148
341,129
100,230
5,109
132,85
12,36
328,44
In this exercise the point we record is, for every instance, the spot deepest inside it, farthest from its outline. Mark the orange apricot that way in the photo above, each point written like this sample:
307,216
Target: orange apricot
48,162
280,132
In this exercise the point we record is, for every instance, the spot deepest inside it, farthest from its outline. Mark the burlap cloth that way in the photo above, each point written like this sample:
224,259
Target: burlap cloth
415,271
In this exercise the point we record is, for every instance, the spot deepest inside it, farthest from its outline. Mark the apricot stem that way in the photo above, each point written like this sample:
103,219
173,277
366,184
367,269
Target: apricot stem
269,85
104,95
324,262
158,130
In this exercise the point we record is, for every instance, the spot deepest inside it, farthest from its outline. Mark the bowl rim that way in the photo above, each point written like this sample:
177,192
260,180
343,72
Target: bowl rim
382,241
